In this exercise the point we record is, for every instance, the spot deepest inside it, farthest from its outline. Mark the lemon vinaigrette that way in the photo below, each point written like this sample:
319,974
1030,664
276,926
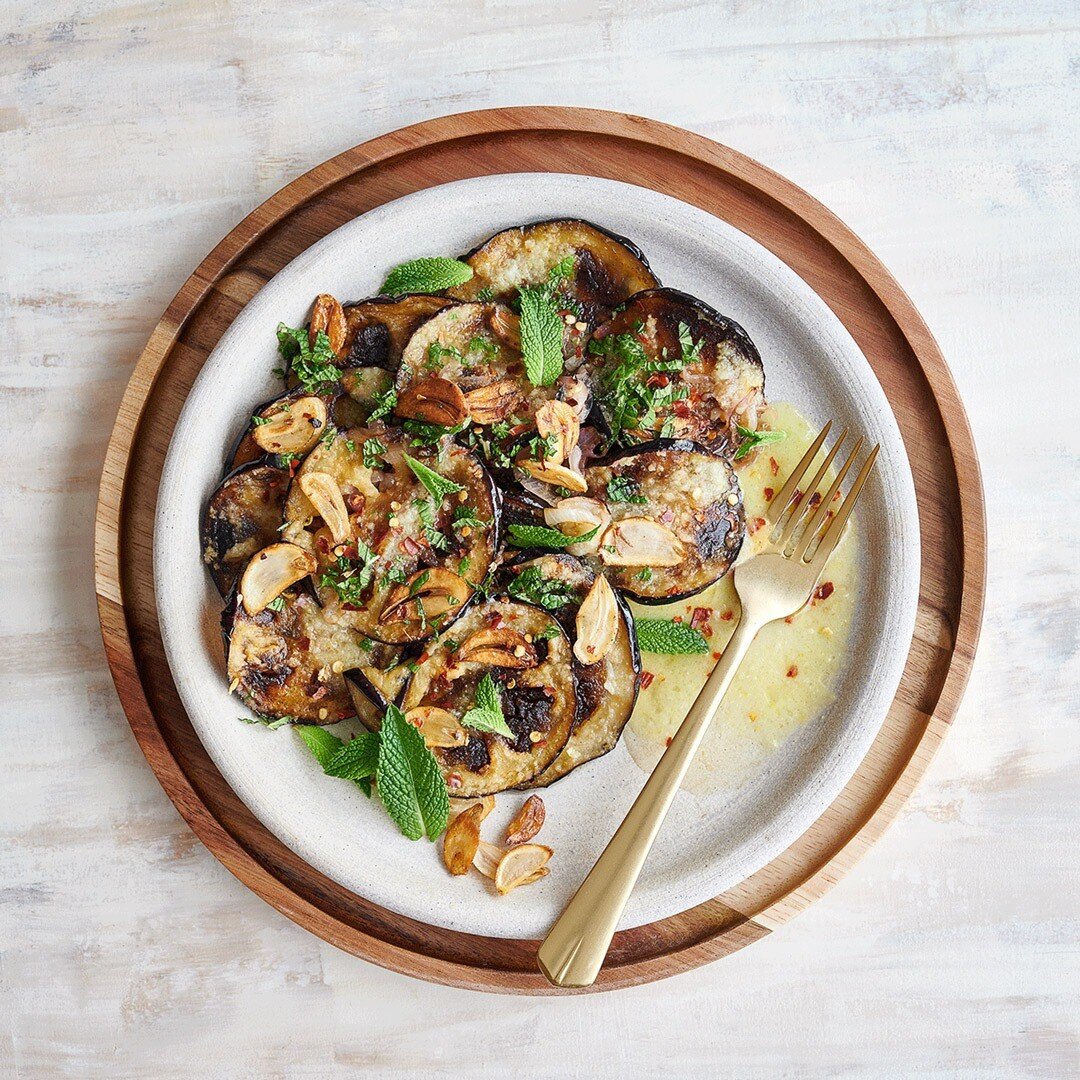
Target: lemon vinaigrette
789,675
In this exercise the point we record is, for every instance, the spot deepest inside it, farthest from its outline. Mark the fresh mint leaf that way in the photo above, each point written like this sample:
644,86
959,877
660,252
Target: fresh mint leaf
751,440
356,760
437,485
538,536
562,270
350,577
487,713
372,452
625,489
485,294
672,638
385,403
410,783
466,515
426,509
313,364
320,742
426,276
532,586
271,723
541,337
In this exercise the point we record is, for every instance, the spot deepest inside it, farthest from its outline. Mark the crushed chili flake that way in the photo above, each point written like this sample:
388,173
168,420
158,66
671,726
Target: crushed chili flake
824,590
716,655
815,499
304,643
757,523
667,741
727,616
646,679
769,493
774,465
323,544
700,620
410,546
681,409
790,619
792,671
345,714
676,618
668,516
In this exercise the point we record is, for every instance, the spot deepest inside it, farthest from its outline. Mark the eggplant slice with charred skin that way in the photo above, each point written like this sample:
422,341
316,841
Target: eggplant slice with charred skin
537,694
608,689
689,497
668,363
247,448
281,662
422,558
377,330
607,269
242,517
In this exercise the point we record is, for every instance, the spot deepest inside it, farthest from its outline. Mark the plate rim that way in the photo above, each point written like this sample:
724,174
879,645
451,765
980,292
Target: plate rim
529,120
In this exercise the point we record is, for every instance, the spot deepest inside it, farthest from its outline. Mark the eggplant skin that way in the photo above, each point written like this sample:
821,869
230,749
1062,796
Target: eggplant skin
608,268
281,662
378,329
539,700
723,387
242,517
693,492
607,690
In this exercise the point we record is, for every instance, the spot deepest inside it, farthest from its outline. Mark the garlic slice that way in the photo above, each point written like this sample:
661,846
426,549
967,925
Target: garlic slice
487,857
271,571
438,726
576,517
557,421
556,475
294,428
637,541
521,865
597,622
324,493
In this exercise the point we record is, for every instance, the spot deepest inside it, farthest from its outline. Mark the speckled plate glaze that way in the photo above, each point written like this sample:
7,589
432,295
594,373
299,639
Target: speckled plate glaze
709,842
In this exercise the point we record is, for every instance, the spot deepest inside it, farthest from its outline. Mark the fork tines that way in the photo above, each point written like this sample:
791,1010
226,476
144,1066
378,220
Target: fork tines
812,529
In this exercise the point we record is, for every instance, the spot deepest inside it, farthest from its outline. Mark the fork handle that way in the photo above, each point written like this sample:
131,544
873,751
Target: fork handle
574,949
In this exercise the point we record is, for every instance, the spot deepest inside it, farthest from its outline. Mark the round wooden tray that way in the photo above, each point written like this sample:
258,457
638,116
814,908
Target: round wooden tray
814,243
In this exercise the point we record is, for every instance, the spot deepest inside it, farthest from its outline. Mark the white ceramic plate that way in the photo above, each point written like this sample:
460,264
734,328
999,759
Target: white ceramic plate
708,843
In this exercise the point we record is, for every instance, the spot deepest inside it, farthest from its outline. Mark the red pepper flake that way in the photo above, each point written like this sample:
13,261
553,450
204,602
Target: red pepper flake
769,493
681,409
668,516
792,671
323,544
453,780
676,618
790,619
728,616
716,655
293,466
304,643
657,379
796,498
345,714
410,546
815,499
824,590
757,523
646,679
667,741
774,465
700,620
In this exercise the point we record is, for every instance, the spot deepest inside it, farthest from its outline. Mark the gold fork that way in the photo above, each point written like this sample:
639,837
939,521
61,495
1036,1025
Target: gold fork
771,585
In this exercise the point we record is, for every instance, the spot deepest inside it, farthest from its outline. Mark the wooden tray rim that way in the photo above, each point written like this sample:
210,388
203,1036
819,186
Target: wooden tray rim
531,120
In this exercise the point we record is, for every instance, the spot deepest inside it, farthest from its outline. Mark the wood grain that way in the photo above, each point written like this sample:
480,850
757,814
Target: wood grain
797,229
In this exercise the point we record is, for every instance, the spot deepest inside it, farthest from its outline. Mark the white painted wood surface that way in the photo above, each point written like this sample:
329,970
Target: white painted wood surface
132,136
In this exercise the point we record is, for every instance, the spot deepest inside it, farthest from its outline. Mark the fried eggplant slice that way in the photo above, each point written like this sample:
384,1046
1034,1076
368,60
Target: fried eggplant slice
287,660
413,561
677,519
242,516
607,689
377,330
285,428
591,271
528,657
668,364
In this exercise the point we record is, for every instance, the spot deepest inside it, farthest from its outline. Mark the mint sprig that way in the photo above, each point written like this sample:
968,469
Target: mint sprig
325,747
672,638
410,783
751,440
313,365
356,760
426,276
539,536
541,337
487,713
437,485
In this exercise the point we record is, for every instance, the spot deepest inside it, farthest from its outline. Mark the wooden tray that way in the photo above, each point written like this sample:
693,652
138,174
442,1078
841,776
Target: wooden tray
814,243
